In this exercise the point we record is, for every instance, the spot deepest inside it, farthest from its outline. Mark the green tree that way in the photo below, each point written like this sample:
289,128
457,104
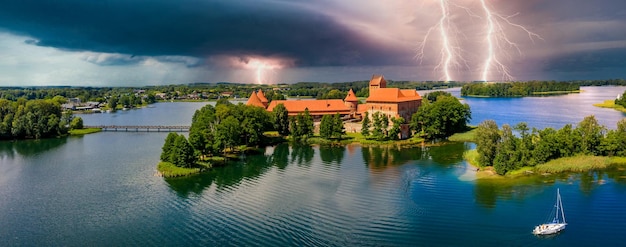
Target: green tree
326,127
432,97
307,124
125,101
442,118
506,157
487,139
113,100
166,150
337,126
77,123
150,98
281,122
394,132
227,133
182,153
254,123
365,125
377,132
591,134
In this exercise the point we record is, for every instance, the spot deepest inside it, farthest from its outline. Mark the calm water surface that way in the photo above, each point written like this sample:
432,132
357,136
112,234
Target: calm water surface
100,189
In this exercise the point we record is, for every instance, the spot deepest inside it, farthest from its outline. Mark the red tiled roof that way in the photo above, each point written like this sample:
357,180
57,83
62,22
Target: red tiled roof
376,79
393,95
351,97
316,107
254,100
261,96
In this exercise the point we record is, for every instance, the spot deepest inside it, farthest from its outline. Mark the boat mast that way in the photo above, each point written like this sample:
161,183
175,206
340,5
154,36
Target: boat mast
560,205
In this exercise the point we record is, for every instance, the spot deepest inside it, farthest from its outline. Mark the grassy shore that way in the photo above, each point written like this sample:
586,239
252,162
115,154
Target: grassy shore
84,131
580,163
169,170
350,138
556,92
610,104
468,136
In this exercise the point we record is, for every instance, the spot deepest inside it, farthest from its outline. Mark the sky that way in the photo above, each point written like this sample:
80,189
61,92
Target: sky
155,42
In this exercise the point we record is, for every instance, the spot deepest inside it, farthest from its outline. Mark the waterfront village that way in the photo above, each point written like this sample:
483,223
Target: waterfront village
392,102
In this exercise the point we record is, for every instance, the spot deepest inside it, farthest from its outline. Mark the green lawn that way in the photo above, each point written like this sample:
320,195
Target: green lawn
468,136
84,131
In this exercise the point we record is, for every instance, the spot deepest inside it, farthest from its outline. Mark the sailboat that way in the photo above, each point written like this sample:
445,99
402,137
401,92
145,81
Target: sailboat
557,224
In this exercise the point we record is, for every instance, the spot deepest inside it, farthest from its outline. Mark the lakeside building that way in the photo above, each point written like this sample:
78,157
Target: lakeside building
393,102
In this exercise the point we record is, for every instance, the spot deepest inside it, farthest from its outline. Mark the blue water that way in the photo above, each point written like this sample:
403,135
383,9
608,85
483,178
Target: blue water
100,190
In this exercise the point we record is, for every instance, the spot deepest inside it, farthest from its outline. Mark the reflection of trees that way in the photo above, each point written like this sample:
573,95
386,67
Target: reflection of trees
447,154
280,157
330,154
488,191
234,172
302,154
379,157
229,175
29,147
383,156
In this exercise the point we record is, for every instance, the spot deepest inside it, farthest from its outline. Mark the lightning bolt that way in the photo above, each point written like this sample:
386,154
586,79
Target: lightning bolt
497,39
259,73
450,53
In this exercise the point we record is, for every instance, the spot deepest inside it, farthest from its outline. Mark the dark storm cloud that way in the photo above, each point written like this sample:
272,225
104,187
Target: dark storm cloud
191,28
589,61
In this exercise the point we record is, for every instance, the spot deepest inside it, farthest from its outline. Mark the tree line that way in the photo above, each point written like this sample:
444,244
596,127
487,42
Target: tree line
516,89
505,151
25,119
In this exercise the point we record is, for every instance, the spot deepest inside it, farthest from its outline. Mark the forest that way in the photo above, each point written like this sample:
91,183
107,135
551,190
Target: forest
33,119
505,151
517,89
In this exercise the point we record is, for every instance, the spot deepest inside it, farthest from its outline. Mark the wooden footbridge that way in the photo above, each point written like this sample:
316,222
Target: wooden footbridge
143,128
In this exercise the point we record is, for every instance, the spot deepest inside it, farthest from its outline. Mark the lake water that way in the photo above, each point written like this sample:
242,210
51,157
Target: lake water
100,189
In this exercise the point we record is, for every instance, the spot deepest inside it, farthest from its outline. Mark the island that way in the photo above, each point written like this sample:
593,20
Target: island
388,115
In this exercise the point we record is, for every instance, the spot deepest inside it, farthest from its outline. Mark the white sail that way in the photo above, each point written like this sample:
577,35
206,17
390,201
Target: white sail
557,224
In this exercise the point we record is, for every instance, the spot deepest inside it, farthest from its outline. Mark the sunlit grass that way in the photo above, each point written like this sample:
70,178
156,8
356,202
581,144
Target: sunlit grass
610,104
579,163
84,131
556,92
471,156
468,136
169,170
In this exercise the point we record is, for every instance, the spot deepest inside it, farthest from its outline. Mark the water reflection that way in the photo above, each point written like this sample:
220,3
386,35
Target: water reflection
301,154
330,154
253,166
488,191
29,147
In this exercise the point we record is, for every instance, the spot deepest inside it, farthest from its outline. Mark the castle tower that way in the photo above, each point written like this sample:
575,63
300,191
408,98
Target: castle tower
351,101
377,81
255,101
262,97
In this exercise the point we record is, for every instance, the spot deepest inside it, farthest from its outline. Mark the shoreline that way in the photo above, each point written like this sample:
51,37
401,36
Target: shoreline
573,164
610,104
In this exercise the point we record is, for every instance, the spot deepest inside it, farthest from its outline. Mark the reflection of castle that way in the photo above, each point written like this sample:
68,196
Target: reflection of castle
392,102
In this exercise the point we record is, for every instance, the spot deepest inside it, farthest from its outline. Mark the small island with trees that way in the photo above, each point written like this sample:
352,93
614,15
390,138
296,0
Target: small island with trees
587,146
227,130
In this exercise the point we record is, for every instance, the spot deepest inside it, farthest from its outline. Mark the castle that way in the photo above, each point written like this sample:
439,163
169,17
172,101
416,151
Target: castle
392,102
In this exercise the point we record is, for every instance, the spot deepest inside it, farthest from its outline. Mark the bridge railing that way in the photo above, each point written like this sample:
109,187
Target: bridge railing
145,128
